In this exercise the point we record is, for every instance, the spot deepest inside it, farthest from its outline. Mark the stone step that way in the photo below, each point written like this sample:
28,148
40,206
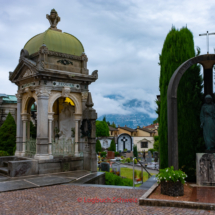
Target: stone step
5,164
4,170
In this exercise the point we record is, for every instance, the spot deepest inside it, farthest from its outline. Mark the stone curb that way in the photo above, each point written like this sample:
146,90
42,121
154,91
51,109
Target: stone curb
143,200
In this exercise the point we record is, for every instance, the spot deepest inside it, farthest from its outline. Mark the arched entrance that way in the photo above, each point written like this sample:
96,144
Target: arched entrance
29,116
207,61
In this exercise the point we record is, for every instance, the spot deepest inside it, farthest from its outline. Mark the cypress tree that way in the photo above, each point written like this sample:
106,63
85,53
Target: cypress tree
179,47
8,135
135,153
98,146
112,146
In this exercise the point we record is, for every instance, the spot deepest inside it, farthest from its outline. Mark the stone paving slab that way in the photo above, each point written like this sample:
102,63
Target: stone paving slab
26,182
49,180
67,199
15,185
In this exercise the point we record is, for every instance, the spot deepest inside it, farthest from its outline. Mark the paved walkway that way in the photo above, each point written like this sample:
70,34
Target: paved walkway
75,199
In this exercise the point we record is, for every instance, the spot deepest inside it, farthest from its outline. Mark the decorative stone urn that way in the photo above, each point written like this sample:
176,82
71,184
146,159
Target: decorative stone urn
171,188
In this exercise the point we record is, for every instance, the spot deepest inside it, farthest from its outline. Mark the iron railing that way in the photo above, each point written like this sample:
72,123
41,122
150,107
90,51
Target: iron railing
30,148
63,147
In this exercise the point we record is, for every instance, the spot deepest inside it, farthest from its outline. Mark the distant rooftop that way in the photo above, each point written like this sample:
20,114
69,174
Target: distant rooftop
8,98
128,129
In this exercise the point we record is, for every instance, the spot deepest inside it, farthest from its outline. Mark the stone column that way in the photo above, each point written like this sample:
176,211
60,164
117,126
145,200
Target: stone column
50,118
90,116
77,138
19,132
24,123
42,124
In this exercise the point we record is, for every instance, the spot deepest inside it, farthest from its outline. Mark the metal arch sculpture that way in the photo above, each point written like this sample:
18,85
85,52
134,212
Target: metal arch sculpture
205,60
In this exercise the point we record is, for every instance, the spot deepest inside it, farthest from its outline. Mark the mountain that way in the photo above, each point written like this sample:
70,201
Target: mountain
131,120
138,110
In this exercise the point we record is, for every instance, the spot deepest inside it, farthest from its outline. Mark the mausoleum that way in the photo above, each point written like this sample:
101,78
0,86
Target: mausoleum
52,74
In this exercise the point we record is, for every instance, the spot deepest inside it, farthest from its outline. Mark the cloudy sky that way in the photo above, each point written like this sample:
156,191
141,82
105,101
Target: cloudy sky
122,40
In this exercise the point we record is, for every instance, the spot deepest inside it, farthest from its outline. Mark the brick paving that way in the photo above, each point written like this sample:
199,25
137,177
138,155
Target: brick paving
63,199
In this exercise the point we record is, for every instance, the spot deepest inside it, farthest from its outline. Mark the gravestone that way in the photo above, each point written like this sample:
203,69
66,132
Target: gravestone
155,156
116,168
205,169
105,167
149,157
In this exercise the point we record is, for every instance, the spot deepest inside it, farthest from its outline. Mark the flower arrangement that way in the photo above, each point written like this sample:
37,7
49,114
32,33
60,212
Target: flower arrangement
169,174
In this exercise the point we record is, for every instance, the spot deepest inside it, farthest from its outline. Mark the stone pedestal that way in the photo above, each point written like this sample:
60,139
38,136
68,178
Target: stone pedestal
205,169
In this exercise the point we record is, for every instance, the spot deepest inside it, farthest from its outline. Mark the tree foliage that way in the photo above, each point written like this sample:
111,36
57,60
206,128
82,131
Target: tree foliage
98,146
179,47
156,143
8,135
113,125
102,129
112,146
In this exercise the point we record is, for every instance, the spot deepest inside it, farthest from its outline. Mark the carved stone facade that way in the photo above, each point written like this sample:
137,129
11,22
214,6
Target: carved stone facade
205,169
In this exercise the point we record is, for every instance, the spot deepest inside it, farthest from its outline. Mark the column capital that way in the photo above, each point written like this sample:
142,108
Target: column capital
19,96
25,116
78,117
51,116
43,92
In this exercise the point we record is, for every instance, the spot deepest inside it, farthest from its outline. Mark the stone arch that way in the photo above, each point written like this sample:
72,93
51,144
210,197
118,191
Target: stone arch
25,101
75,99
207,61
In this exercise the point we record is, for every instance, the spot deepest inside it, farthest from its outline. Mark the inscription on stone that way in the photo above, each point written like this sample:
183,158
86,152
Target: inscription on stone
64,84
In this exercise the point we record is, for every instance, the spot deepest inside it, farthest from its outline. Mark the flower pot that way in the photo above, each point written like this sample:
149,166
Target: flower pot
172,188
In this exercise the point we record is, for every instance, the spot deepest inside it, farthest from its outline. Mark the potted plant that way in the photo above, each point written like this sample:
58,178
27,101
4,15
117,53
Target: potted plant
172,181
128,160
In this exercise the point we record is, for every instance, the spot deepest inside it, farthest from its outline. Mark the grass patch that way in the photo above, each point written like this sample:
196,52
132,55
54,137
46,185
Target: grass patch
128,173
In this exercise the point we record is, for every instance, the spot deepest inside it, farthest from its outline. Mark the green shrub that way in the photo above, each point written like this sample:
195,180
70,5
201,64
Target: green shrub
8,135
128,160
135,173
125,150
156,143
116,154
112,146
169,174
3,153
103,154
135,151
112,179
135,161
98,146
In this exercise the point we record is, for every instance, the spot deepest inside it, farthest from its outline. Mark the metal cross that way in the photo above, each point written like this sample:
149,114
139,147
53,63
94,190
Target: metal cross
207,41
124,140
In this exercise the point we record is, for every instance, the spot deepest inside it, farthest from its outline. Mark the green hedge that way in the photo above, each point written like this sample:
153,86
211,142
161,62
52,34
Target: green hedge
3,153
112,179
8,135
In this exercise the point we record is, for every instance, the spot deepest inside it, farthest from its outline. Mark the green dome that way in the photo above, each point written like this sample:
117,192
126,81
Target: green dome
55,41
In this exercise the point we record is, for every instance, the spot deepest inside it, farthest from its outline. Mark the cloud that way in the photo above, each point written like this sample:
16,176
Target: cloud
122,39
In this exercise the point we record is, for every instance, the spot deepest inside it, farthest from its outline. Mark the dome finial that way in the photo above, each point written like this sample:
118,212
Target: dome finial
53,19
